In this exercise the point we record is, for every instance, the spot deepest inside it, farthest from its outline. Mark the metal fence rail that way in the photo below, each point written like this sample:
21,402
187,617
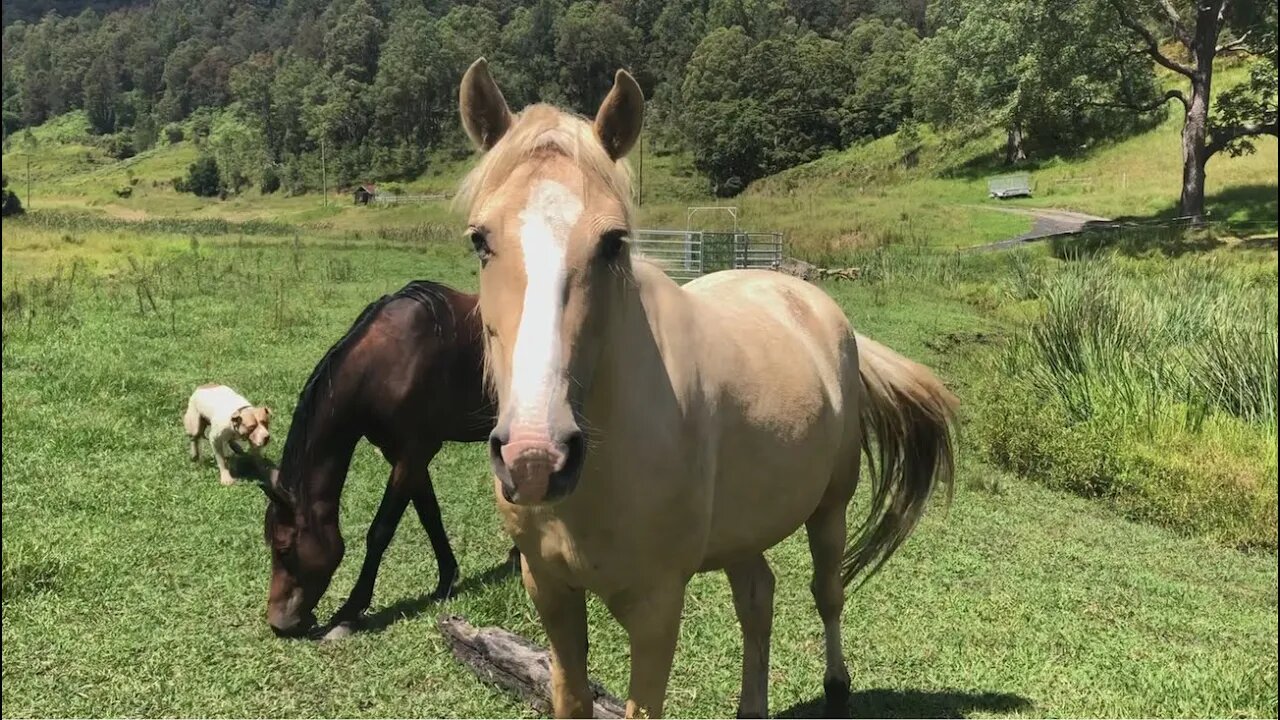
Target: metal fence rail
384,198
687,254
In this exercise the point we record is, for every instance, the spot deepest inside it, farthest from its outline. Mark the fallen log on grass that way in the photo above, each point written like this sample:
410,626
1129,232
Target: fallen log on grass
514,664
811,272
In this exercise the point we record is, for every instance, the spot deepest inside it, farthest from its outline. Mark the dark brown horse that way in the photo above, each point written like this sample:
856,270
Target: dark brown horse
407,376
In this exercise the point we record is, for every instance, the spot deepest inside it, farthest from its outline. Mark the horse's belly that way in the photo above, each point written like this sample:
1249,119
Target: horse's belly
762,499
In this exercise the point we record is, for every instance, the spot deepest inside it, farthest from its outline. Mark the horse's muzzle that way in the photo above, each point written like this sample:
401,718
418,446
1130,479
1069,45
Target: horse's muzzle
287,619
534,469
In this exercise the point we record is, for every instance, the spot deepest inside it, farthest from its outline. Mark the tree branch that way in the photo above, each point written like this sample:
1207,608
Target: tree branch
1176,20
1144,107
1237,44
1222,137
1152,45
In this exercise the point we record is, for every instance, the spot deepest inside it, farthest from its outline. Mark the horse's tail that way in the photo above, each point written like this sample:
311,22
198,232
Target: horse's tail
911,414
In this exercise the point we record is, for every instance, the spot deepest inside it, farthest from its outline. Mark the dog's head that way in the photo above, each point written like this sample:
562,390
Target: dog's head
253,424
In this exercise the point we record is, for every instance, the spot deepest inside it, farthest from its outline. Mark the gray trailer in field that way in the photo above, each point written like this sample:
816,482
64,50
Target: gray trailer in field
1009,186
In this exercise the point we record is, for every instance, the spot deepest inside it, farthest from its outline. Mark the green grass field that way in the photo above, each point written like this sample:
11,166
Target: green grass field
135,585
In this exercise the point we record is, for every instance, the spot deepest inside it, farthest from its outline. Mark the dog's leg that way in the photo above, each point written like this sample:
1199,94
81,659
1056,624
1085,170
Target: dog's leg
195,425
220,451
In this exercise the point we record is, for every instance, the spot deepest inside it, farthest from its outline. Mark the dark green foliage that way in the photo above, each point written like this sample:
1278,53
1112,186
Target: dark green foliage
752,108
119,145
203,178
748,86
1053,73
879,58
270,181
10,205
593,42
145,133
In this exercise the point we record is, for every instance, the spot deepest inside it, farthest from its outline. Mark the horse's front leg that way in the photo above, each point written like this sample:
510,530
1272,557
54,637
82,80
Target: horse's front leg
563,611
394,501
651,617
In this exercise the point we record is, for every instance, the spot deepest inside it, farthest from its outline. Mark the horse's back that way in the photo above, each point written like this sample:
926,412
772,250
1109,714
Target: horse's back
776,323
422,363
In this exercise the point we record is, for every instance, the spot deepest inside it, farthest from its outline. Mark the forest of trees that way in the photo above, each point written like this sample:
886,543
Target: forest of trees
748,87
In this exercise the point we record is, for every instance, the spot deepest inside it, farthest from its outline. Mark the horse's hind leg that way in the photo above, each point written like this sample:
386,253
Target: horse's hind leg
827,531
752,584
394,500
424,501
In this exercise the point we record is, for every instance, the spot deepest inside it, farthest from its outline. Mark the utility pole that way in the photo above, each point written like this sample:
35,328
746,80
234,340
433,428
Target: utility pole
641,201
324,176
28,181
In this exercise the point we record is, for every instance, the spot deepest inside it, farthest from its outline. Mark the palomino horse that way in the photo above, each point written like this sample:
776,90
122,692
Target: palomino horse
647,432
407,375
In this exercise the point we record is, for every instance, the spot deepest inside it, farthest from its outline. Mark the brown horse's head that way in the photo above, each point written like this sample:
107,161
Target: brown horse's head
306,548
549,216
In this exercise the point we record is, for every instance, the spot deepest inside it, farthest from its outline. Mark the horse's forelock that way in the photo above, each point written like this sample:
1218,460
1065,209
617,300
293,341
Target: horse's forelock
539,130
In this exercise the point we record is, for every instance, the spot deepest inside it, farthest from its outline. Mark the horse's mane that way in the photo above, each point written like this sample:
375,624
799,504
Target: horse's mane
539,129
297,442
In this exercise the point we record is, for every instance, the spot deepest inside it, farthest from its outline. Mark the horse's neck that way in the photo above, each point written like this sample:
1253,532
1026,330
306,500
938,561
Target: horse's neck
645,339
324,462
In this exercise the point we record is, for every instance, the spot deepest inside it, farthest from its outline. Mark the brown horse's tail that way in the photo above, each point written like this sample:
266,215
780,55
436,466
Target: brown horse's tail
911,414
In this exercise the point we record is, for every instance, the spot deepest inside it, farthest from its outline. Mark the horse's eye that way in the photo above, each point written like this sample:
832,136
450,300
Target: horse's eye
611,244
480,241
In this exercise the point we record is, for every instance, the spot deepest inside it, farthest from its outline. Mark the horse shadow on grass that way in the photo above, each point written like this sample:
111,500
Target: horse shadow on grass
409,608
885,703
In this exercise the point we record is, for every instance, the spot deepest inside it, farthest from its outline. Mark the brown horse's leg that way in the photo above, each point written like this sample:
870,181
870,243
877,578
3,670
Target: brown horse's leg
826,530
394,500
424,501
563,611
651,617
752,584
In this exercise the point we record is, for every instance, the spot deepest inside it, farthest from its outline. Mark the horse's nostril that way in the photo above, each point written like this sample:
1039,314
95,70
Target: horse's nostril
496,441
575,446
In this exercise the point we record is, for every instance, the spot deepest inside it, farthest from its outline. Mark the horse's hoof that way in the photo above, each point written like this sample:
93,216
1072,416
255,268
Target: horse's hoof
836,693
341,631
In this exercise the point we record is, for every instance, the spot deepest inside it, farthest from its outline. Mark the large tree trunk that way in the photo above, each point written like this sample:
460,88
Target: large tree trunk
1014,152
1195,129
1195,132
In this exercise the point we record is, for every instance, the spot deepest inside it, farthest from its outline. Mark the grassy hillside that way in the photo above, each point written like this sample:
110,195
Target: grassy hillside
940,183
927,193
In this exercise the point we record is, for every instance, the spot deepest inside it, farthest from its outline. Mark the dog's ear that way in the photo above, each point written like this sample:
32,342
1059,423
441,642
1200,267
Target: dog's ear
264,414
237,419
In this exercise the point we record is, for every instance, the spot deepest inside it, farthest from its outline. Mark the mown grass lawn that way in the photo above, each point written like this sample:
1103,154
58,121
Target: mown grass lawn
135,585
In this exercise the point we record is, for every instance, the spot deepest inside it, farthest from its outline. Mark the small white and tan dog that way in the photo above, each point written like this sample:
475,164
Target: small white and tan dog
223,416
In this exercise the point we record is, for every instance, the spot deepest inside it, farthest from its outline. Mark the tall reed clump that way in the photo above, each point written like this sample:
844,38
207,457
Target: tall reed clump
1151,383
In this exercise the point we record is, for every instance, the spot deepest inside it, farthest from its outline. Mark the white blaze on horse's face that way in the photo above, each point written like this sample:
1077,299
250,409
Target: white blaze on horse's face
538,363
549,213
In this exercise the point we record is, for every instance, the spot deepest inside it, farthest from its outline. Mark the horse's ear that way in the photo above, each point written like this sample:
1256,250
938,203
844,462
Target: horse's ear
621,115
484,111
270,484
